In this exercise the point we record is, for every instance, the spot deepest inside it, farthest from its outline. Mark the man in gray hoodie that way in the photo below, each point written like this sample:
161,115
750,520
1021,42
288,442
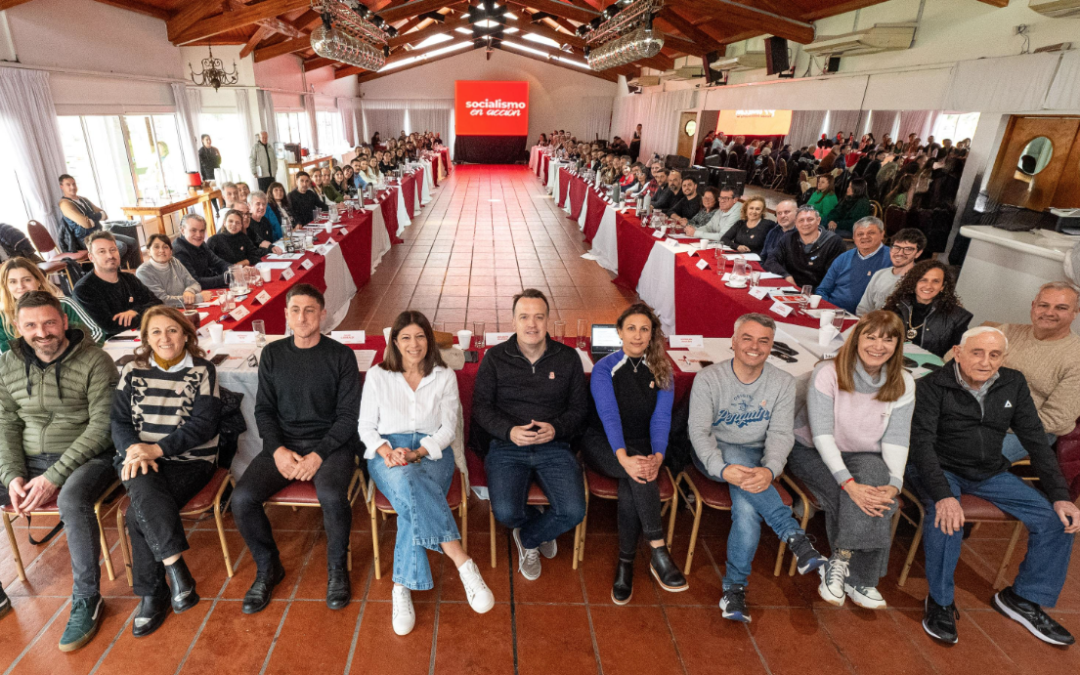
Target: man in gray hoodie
742,415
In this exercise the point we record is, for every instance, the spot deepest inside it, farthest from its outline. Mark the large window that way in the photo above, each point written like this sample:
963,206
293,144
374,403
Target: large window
955,126
226,131
13,210
331,134
293,127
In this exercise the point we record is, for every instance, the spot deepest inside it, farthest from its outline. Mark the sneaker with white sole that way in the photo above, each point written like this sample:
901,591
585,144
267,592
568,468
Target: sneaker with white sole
481,599
866,597
548,549
404,617
528,558
833,574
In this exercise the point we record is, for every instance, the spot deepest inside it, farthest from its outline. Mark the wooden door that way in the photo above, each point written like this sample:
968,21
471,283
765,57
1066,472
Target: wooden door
1010,185
687,134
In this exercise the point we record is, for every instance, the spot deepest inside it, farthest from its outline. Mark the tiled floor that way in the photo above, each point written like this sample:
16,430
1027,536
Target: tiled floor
563,622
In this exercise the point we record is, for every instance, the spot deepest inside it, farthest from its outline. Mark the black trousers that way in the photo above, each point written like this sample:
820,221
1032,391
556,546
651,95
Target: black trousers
262,480
639,503
153,519
265,182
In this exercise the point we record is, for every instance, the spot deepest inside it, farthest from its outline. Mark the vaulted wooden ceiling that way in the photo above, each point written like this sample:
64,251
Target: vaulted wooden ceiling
272,28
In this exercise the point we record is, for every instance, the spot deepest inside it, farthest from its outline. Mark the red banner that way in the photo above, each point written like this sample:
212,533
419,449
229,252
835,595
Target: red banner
483,108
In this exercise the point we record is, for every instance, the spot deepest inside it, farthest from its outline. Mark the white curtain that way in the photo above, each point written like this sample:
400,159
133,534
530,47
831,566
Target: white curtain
596,111
266,116
430,115
844,121
28,121
188,119
387,117
1064,93
347,109
309,108
806,127
918,122
1006,84
884,122
243,108
658,115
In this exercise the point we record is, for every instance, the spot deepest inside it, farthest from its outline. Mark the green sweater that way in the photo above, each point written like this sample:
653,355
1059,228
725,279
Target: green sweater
332,194
62,409
824,203
847,213
77,318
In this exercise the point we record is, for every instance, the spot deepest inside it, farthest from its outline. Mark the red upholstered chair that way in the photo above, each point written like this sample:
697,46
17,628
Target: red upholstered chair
51,509
55,261
298,494
1068,454
976,510
603,487
456,498
208,498
715,495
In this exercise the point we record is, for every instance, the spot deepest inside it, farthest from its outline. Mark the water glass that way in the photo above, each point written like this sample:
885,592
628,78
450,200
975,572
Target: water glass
558,330
478,329
804,299
838,321
259,326
755,279
721,264
438,326
582,333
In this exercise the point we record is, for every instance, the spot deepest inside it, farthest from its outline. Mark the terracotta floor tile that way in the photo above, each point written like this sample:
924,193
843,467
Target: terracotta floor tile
793,641
380,650
702,635
43,656
29,616
870,640
554,638
619,632
473,643
318,639
160,653
230,636
974,653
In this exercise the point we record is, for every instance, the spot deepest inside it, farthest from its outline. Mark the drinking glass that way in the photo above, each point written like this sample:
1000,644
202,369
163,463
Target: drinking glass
838,321
582,333
438,326
804,299
558,330
755,279
721,263
478,334
259,326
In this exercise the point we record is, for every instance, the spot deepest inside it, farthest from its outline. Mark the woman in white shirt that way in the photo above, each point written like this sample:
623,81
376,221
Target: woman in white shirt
408,420
370,171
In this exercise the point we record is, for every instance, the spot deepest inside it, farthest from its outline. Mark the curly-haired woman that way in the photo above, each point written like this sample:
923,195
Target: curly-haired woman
926,302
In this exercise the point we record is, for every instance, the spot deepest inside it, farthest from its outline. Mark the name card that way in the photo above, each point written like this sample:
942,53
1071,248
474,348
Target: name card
262,298
671,241
307,264
685,341
780,308
492,339
349,337
701,264
287,274
239,313
759,292
324,249
658,234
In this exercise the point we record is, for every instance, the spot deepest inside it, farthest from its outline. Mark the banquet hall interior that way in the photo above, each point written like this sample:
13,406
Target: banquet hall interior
530,134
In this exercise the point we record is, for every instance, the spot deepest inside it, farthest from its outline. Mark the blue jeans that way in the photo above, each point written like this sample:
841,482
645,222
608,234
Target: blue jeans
1041,575
511,470
418,494
1014,452
747,512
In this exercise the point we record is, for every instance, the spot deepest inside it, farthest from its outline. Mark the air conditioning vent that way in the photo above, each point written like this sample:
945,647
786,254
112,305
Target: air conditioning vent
684,73
1057,9
882,37
644,81
747,61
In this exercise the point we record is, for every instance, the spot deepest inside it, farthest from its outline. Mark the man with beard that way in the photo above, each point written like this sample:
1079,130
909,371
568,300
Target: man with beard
115,301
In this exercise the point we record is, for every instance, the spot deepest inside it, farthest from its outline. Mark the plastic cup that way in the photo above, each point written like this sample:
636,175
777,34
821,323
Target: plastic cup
826,318
464,338
266,273
825,335
217,333
815,300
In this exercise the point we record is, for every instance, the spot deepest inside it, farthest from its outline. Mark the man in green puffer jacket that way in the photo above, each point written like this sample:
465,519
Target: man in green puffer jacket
56,393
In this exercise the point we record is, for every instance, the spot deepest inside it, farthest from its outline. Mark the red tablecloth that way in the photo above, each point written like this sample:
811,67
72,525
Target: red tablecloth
444,153
389,214
356,246
564,184
576,190
545,160
408,190
635,243
595,213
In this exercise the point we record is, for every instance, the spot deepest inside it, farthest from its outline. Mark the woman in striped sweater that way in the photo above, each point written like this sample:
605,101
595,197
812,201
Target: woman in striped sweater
851,448
19,276
165,427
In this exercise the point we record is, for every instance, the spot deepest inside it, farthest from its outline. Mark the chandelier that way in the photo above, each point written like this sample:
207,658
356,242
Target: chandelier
213,73
351,33
622,34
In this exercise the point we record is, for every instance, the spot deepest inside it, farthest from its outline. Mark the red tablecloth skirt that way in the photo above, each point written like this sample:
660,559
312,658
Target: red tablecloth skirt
594,215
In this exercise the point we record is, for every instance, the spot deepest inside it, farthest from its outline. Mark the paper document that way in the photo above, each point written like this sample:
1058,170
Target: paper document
274,265
691,361
364,359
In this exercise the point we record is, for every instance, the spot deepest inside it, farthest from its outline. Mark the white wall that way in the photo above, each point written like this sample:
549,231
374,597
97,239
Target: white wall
552,89
285,73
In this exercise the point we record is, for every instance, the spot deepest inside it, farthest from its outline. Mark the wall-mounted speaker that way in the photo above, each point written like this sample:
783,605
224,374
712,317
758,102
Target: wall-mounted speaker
776,55
713,76
833,66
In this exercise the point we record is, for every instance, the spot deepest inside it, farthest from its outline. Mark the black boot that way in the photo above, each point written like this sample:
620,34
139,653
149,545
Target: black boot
152,611
623,588
663,568
5,602
182,583
338,589
258,596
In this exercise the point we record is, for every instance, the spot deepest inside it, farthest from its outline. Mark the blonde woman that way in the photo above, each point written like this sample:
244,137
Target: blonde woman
748,234
19,276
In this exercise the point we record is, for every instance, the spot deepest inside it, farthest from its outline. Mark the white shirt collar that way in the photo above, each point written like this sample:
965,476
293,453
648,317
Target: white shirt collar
872,253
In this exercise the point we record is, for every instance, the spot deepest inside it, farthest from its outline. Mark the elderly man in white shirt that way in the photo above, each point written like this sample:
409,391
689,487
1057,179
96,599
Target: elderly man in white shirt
408,419
728,212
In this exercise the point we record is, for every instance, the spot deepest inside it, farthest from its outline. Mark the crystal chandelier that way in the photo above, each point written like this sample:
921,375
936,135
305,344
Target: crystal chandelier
213,73
351,33
622,34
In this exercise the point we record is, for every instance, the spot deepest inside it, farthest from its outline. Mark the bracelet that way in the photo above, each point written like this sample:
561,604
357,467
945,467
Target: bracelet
843,486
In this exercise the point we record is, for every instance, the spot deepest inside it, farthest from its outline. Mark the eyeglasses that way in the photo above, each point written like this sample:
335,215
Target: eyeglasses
905,249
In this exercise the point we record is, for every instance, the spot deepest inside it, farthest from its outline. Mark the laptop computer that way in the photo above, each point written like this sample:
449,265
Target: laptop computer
605,340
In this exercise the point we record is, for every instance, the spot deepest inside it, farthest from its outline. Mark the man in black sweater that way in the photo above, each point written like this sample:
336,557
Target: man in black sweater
115,300
530,397
303,200
803,256
669,192
962,413
191,250
307,411
689,203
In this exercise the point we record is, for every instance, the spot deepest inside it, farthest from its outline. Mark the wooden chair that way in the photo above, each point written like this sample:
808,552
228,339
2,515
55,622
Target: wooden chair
603,487
55,261
457,498
895,220
715,495
781,175
208,498
299,494
51,509
976,510
876,209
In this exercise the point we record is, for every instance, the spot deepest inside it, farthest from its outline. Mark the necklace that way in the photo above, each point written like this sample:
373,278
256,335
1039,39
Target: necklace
635,365
912,331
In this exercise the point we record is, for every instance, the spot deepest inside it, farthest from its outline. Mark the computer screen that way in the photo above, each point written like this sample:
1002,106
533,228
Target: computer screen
605,335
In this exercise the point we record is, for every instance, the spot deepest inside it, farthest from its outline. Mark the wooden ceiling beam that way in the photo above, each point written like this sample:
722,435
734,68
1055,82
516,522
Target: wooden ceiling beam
317,62
8,4
282,48
411,9
611,75
208,28
347,71
424,33
137,7
308,20
683,45
545,31
679,22
258,36
560,9
189,15
750,18
996,3
281,27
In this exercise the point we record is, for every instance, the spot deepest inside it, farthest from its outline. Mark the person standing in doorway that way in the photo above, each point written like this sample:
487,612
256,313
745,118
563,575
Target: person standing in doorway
635,144
263,162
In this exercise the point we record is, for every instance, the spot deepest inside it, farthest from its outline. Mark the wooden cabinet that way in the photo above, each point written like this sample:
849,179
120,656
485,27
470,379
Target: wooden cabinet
1031,175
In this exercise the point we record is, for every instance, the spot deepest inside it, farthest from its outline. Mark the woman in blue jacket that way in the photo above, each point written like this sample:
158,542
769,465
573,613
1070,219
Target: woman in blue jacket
633,390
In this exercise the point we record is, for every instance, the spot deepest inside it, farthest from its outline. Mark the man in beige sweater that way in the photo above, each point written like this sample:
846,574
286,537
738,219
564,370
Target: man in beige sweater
1047,352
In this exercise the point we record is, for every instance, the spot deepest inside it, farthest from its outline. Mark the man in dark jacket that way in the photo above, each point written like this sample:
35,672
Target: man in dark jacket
303,200
115,300
191,250
962,413
14,244
530,397
669,193
803,256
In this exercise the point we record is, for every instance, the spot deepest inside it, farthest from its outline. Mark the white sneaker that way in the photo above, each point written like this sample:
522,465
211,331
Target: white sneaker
549,549
481,599
404,617
528,558
833,574
866,597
